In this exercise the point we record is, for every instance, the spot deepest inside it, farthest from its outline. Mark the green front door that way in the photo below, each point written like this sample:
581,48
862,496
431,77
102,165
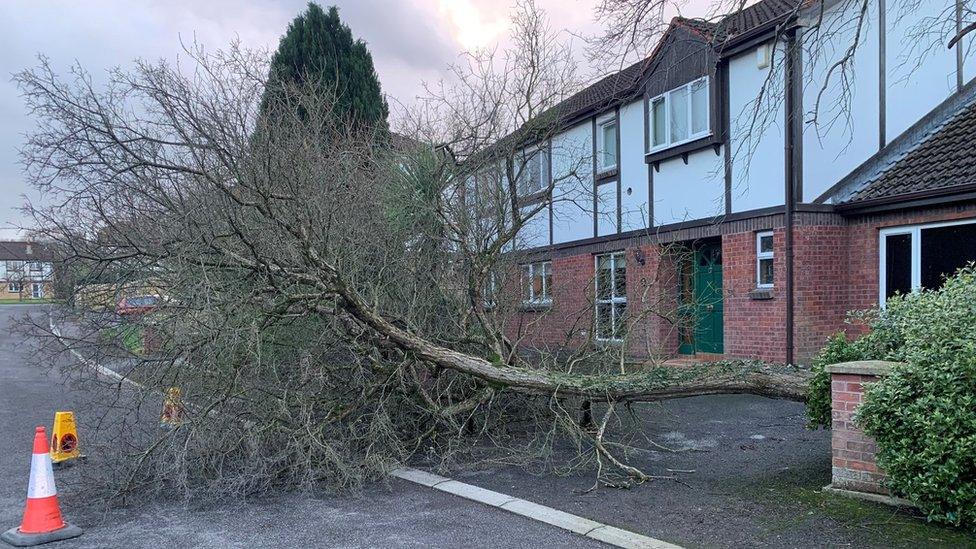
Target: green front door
701,301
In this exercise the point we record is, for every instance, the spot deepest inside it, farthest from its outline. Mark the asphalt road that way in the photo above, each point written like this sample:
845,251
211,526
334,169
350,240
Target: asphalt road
398,515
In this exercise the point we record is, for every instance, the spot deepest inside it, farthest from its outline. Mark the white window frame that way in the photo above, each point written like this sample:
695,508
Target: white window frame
666,96
537,154
916,233
37,290
14,287
530,269
601,143
760,256
613,300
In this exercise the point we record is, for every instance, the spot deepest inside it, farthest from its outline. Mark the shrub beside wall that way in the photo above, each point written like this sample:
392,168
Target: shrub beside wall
922,415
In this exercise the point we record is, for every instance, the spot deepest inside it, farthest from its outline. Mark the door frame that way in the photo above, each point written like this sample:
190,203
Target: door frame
691,346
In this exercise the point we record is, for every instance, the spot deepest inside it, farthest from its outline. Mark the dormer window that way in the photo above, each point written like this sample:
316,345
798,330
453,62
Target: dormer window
606,144
680,115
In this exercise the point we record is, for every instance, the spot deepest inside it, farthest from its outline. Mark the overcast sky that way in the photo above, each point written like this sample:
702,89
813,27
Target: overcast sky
411,41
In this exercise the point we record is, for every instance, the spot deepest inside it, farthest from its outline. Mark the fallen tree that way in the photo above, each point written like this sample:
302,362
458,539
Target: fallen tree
335,300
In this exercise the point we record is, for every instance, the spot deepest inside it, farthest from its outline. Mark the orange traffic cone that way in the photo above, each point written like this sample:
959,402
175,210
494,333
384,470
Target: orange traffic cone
42,516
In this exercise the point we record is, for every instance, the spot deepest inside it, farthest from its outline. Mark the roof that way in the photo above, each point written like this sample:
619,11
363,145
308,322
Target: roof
16,250
754,16
626,83
941,160
621,85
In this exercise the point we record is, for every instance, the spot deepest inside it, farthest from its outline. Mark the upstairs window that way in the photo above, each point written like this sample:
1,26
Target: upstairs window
764,259
606,145
534,174
680,115
537,283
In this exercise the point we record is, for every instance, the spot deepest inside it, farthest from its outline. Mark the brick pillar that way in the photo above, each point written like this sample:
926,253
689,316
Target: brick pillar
853,466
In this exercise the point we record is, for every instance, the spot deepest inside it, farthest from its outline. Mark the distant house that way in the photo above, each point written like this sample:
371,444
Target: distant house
26,270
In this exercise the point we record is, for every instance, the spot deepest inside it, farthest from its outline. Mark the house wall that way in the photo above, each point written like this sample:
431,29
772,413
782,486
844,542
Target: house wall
756,139
684,192
634,184
835,271
921,70
572,169
847,114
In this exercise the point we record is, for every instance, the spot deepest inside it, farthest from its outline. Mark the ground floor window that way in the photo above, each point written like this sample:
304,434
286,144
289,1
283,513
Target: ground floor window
537,283
13,287
37,290
764,259
611,296
922,256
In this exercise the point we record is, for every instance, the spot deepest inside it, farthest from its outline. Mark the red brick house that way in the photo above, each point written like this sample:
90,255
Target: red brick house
691,248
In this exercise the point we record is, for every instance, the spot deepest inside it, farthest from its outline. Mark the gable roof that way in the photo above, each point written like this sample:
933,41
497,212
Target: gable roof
613,89
17,250
939,163
621,85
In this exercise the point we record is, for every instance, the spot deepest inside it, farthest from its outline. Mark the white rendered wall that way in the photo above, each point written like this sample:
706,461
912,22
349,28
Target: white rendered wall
693,191
572,168
757,141
633,169
916,82
847,118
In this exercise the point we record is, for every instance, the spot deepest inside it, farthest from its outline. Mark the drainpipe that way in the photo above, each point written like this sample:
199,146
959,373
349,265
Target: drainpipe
790,176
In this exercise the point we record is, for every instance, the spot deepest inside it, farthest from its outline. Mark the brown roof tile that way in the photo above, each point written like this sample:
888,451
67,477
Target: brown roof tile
941,160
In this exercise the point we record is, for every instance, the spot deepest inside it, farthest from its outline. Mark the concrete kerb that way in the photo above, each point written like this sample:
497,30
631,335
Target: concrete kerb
541,513
561,519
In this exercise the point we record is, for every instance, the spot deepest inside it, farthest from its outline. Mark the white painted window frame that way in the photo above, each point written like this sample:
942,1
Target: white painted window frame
613,300
14,287
916,233
538,153
666,96
37,290
546,297
610,120
761,255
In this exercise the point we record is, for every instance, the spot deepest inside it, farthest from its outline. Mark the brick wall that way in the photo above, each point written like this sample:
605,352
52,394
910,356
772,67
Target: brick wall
835,271
853,465
754,328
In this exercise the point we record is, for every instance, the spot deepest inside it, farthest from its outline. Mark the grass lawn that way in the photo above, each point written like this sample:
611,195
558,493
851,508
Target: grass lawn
128,336
28,301
874,524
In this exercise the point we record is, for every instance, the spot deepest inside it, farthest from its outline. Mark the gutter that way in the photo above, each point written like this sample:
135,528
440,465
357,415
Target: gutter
930,197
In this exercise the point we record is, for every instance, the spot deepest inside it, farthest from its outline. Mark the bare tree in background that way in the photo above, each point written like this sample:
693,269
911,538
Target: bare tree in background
335,302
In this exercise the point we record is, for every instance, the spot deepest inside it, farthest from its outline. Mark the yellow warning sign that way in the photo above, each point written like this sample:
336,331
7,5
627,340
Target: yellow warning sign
172,408
64,438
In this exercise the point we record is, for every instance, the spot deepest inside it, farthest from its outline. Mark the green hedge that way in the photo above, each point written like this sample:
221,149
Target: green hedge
923,415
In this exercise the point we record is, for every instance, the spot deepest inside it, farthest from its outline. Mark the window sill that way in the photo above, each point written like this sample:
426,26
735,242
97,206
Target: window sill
682,149
534,198
535,307
761,294
607,173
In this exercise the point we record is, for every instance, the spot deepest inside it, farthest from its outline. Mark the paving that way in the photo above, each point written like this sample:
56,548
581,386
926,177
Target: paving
400,514
749,475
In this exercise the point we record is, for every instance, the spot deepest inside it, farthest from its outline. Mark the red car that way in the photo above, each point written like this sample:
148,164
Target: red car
137,305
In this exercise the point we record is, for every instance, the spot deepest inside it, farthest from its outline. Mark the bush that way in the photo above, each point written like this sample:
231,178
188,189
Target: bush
923,415
838,349
881,343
